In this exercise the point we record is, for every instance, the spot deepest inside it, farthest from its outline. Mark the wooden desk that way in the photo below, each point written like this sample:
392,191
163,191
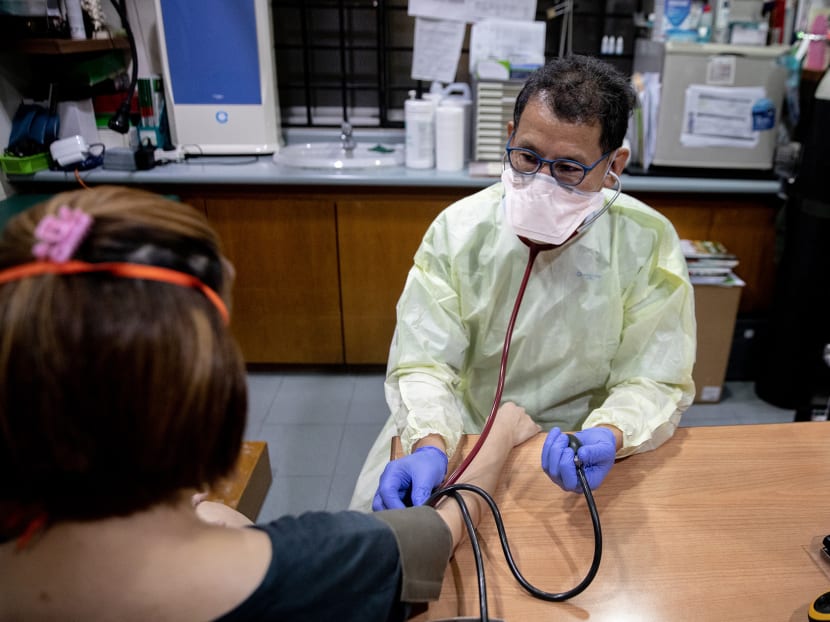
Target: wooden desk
246,487
719,524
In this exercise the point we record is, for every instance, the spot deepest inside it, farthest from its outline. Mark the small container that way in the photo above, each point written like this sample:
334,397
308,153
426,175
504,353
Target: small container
720,33
449,138
459,94
704,29
69,150
419,122
75,17
13,165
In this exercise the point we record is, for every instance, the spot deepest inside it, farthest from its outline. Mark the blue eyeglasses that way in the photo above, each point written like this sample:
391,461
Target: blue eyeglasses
566,172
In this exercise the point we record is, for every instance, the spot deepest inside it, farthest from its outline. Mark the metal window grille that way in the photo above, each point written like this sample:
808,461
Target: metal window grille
350,60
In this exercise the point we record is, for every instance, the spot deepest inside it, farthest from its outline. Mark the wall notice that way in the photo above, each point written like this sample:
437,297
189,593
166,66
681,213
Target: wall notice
720,116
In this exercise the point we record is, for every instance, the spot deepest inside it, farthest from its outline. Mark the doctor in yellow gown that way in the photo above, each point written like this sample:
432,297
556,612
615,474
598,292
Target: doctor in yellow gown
605,336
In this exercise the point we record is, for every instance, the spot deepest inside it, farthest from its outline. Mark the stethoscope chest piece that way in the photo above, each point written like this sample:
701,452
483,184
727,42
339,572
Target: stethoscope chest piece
820,609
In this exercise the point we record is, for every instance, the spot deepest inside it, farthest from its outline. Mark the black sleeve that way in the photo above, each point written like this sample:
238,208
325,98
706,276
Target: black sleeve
325,566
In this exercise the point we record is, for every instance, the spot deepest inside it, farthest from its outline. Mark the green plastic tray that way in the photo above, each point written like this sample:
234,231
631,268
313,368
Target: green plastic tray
24,166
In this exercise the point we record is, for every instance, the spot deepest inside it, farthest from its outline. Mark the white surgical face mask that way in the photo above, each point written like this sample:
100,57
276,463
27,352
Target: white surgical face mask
543,210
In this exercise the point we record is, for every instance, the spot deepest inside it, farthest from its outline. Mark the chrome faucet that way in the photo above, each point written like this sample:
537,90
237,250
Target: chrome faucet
347,141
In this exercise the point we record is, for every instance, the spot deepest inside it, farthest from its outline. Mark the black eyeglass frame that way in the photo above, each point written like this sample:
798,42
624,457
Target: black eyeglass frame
542,161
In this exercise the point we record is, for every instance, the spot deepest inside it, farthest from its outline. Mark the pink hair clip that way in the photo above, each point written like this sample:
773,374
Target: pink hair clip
58,236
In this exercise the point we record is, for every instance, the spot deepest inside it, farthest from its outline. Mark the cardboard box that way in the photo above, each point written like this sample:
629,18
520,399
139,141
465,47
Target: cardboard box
716,309
246,488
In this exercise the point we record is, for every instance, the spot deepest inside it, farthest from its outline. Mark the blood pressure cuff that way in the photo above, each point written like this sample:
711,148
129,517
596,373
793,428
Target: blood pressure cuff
425,546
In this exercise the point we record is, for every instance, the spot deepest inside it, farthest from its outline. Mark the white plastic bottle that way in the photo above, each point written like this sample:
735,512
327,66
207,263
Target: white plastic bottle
75,17
720,33
419,122
704,28
449,137
459,94
658,28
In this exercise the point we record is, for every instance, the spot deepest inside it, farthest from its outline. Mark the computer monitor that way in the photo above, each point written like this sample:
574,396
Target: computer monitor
219,75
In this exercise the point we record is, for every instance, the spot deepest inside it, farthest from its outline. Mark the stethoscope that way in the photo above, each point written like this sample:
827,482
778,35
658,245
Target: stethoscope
452,489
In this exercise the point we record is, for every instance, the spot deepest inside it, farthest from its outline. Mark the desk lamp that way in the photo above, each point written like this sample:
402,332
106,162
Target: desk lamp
120,121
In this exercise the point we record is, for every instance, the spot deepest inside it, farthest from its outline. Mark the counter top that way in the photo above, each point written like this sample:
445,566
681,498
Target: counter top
261,170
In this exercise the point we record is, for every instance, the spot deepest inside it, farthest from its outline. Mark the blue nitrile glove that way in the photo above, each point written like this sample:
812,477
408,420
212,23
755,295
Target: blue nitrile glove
598,450
418,473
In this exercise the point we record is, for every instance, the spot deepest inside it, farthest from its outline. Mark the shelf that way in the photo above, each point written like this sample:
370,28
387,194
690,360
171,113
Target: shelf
64,46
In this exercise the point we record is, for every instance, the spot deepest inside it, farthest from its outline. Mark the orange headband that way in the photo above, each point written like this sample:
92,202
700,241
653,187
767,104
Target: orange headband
119,269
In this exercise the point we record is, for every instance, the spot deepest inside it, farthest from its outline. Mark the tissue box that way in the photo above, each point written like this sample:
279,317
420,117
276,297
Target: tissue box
680,19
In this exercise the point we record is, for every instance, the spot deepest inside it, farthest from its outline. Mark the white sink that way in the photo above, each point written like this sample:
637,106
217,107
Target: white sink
332,156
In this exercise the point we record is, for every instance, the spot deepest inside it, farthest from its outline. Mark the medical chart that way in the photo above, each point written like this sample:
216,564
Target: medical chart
437,49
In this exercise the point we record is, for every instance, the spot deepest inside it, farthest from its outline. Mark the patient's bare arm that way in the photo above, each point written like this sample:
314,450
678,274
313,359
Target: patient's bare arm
512,427
218,513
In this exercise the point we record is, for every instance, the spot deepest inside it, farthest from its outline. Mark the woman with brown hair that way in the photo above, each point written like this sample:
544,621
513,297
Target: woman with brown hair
122,392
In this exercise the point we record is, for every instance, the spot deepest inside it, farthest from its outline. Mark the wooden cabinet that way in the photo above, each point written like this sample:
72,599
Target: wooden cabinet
377,237
30,64
746,225
319,271
53,46
286,296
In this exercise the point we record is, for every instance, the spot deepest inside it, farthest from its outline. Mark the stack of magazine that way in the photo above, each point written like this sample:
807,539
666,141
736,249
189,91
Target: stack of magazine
710,263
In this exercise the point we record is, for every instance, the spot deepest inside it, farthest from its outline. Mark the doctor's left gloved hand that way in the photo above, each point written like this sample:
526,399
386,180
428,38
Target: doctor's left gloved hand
598,450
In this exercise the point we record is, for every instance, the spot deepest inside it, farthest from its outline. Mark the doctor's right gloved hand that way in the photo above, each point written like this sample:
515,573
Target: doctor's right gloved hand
418,473
598,451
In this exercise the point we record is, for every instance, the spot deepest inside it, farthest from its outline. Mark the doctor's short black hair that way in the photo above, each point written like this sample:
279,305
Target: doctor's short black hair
582,89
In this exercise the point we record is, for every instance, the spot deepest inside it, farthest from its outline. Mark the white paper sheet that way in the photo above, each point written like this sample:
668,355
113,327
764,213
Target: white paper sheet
651,108
473,10
720,116
642,126
514,41
653,88
437,49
